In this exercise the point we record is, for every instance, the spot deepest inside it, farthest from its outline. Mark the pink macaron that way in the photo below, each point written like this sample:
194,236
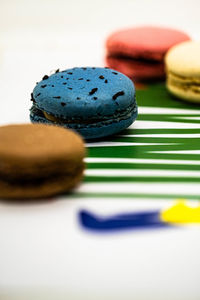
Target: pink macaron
139,52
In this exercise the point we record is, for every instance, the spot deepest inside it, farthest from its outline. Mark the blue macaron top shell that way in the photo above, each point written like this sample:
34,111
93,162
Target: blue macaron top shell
84,93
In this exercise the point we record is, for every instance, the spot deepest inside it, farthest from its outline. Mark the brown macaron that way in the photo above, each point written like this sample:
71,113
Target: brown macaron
38,160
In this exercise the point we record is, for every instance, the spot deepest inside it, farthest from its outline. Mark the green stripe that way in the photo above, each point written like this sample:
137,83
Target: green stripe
167,118
141,166
143,152
171,140
161,131
144,179
133,195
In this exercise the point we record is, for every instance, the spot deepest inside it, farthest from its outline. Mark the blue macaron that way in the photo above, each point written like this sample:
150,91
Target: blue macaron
96,102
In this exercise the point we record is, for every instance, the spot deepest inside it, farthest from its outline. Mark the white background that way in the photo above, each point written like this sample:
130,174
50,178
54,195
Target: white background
43,252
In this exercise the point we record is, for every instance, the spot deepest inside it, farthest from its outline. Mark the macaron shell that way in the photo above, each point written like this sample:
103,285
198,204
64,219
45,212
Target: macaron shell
84,93
34,145
150,42
184,60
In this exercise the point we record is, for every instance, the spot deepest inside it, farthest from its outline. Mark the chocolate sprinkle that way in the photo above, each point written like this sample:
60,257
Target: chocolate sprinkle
106,81
80,79
115,73
57,97
32,98
101,77
45,77
67,78
78,98
61,76
64,83
57,71
63,104
95,98
52,85
70,73
38,94
93,91
69,88
43,86
121,93
88,80
84,69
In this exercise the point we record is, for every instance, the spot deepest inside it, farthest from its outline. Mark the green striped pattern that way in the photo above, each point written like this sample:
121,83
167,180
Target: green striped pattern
156,157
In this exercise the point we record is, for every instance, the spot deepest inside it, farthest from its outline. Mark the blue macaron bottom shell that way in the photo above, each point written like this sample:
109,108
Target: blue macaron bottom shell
89,132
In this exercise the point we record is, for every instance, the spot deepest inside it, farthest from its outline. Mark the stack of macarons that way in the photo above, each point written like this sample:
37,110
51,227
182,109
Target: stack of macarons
139,52
150,53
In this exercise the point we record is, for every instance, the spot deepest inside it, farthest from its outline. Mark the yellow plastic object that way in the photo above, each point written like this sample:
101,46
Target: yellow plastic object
181,213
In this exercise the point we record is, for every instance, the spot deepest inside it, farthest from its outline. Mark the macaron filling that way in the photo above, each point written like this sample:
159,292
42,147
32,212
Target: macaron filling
119,115
184,79
154,59
185,83
36,180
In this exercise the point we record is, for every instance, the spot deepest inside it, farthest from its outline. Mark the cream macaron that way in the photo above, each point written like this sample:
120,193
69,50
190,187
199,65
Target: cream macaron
182,64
